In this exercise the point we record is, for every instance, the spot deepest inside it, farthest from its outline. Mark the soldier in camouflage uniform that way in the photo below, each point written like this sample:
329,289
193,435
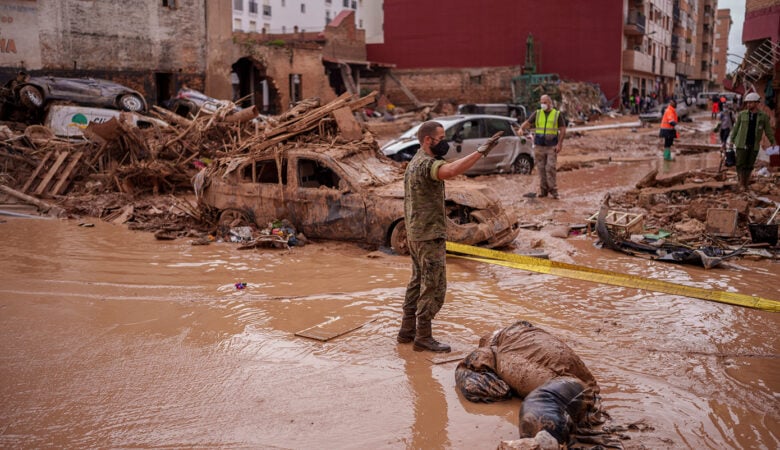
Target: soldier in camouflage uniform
426,228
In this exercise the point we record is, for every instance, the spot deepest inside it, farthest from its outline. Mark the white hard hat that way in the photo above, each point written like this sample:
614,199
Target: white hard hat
752,97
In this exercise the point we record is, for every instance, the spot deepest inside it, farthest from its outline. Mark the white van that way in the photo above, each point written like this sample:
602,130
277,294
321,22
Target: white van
703,98
69,121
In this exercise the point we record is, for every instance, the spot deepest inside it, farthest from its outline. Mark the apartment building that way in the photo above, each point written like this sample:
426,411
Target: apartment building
704,79
723,25
291,16
648,68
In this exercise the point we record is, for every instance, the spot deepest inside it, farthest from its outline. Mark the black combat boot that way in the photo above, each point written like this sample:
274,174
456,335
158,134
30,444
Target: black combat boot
424,341
408,329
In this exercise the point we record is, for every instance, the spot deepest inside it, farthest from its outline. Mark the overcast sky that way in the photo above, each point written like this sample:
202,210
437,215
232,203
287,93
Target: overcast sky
737,8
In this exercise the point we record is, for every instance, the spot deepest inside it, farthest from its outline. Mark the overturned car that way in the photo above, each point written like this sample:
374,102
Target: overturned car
343,193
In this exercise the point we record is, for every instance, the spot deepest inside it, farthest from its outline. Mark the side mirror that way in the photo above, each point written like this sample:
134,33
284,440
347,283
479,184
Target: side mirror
458,137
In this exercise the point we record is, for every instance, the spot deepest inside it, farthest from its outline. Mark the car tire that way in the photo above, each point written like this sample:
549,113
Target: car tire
131,102
523,164
398,238
31,97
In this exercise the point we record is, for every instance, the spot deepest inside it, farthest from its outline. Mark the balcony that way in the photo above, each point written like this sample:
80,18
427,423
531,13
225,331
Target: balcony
684,69
636,61
635,24
668,69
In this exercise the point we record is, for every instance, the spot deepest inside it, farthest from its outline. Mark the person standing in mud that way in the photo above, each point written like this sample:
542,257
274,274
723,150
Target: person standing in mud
549,132
668,128
426,229
746,137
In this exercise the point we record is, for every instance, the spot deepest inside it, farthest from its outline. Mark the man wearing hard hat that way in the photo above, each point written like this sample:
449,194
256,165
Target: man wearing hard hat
746,137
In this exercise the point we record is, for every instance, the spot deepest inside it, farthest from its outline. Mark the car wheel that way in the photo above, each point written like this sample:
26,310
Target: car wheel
398,238
31,97
131,102
523,164
232,218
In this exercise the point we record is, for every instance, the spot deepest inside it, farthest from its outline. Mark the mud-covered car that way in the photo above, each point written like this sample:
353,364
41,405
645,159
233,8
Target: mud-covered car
35,92
466,133
188,102
344,193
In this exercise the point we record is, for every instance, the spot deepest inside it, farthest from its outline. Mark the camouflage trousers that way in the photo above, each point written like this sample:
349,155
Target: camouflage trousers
426,289
546,160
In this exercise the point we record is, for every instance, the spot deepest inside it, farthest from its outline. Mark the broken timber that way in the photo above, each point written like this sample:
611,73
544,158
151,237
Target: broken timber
39,183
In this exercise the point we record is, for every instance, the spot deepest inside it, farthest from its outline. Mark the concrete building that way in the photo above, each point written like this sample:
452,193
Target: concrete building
723,24
704,79
648,68
684,14
288,16
155,47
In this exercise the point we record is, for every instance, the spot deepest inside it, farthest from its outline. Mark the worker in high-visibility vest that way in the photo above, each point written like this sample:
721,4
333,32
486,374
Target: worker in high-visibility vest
668,130
549,132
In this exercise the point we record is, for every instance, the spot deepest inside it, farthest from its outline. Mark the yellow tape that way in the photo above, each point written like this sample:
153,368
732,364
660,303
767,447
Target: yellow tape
604,276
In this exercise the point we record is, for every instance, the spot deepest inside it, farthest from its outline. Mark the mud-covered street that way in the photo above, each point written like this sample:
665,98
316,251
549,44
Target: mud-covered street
115,339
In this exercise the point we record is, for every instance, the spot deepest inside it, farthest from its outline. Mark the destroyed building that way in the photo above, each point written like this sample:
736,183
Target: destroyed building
154,46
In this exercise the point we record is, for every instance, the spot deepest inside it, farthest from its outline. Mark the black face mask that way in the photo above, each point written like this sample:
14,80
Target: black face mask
441,148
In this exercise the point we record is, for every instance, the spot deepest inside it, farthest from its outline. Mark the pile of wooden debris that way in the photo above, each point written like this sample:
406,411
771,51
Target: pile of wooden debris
122,173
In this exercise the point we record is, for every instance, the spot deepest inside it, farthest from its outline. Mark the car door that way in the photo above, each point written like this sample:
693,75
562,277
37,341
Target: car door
262,191
77,90
325,203
469,134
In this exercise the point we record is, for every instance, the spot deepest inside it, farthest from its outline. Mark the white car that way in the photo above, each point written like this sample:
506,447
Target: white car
465,133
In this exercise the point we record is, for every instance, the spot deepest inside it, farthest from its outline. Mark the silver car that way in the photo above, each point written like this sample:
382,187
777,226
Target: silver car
465,133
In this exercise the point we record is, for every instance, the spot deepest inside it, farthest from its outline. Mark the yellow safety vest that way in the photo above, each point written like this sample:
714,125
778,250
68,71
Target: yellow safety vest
546,123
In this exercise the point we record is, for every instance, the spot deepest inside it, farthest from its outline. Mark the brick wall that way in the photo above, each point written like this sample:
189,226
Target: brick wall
486,85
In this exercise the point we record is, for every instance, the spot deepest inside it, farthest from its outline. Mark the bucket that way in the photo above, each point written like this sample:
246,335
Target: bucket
760,233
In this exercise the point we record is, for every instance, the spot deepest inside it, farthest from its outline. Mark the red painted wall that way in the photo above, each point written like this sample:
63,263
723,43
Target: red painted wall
579,39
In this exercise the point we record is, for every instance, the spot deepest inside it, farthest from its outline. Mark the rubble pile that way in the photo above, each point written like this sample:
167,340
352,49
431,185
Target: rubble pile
682,203
112,173
581,102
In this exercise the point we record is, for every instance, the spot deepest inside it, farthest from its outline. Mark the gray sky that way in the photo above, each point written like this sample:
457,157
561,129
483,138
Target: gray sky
737,8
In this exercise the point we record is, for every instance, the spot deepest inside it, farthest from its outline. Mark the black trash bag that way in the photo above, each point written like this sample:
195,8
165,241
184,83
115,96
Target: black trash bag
557,407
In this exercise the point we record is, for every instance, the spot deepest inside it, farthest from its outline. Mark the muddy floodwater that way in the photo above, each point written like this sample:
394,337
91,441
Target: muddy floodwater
112,339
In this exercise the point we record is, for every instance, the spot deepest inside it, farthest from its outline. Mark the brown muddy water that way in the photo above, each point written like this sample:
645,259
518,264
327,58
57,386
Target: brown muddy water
113,340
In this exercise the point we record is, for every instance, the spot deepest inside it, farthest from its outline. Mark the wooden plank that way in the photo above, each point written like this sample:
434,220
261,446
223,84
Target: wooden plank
65,175
329,329
447,357
52,171
37,171
349,127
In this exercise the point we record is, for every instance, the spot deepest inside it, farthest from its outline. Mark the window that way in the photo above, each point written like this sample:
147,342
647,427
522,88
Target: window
303,7
169,4
252,25
496,125
284,29
284,3
295,88
327,17
266,10
238,5
346,3
252,7
354,4
312,174
265,172
237,24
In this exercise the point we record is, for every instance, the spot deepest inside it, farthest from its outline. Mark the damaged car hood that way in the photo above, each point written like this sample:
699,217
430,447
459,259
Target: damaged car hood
463,192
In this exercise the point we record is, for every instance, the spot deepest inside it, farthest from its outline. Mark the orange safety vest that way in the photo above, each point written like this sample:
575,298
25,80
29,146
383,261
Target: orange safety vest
670,115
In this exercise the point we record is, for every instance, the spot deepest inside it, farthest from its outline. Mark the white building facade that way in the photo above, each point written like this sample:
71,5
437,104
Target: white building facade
288,16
